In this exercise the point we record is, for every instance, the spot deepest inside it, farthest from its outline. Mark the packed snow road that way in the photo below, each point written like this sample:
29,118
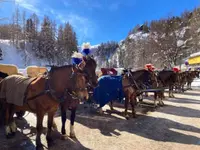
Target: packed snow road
175,126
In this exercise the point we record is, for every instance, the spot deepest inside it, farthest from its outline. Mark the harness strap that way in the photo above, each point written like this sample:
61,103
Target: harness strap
46,91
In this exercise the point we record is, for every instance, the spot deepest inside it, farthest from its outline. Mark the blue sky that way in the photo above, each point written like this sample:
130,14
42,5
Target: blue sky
97,21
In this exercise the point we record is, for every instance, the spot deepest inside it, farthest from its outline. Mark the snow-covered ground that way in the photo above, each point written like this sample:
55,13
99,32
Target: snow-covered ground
196,83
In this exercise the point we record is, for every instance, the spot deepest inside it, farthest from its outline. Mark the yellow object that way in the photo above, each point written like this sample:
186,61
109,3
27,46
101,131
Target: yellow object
34,71
194,60
9,69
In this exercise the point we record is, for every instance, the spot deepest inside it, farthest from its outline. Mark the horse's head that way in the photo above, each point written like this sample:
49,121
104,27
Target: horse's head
153,78
89,68
70,79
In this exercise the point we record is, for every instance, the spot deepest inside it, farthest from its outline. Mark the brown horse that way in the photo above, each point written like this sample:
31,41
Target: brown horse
44,95
88,66
168,78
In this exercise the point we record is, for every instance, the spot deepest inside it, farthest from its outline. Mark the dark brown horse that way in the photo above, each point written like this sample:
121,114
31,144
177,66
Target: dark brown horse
168,78
147,80
44,95
88,66
190,78
181,81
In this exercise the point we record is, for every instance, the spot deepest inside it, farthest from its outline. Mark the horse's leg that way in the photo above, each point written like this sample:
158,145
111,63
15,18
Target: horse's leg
111,105
7,116
72,119
133,102
146,94
13,125
172,89
54,126
169,91
50,123
190,85
101,111
155,98
161,103
40,116
63,118
126,107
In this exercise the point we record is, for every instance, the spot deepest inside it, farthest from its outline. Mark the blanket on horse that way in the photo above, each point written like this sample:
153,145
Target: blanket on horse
13,89
109,88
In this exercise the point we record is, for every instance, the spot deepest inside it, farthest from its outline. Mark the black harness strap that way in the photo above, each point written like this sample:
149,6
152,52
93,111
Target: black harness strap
46,91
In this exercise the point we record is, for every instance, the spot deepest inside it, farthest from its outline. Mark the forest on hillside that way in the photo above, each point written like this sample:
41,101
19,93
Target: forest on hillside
166,41
52,44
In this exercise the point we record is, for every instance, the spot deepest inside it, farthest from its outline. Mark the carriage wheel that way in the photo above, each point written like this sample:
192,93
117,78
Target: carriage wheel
20,114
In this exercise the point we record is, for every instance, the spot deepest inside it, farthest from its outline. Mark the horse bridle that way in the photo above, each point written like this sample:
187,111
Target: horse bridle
73,90
49,90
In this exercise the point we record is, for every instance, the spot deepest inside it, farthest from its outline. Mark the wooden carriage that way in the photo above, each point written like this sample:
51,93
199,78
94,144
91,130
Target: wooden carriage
9,69
34,71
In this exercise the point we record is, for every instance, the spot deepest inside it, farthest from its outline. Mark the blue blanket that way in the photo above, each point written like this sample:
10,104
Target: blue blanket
109,88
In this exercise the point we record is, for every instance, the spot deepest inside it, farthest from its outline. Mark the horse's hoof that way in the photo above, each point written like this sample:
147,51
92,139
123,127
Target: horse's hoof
127,117
54,126
63,132
112,109
155,106
134,116
13,133
64,137
9,136
72,135
50,142
39,147
101,112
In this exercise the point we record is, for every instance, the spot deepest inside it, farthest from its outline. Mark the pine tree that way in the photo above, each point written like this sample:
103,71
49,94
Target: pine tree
60,52
47,42
70,42
35,36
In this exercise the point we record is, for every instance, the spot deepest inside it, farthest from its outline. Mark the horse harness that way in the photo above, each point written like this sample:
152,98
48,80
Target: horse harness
52,93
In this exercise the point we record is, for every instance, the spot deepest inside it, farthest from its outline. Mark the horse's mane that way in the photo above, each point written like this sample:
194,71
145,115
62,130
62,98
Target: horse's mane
139,70
90,59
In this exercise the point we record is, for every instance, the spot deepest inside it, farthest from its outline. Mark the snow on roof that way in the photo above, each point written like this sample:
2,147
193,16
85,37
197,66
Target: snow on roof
195,54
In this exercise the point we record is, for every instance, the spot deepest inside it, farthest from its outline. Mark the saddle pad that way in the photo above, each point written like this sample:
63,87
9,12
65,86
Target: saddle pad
109,88
13,89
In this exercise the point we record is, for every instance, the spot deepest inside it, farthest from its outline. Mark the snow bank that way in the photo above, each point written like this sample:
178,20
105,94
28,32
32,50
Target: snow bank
196,83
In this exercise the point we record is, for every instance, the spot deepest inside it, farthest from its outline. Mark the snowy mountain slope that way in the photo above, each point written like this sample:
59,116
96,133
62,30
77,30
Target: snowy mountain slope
22,59
140,35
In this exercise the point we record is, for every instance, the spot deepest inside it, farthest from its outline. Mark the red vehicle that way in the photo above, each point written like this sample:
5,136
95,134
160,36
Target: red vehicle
108,71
